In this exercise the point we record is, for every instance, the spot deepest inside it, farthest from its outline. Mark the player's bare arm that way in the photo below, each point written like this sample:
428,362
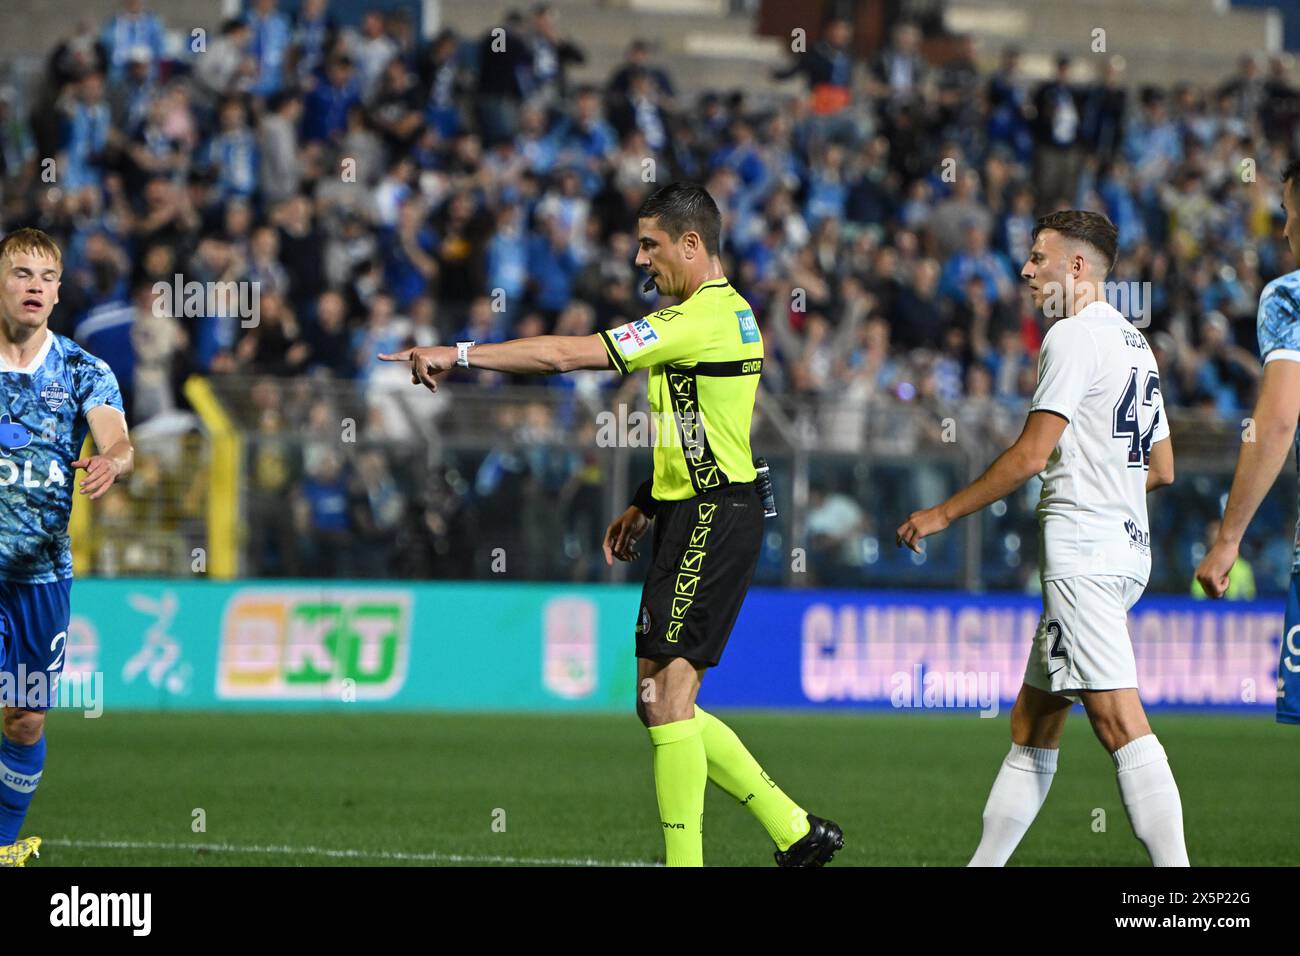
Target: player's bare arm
1024,459
116,456
538,355
1258,464
1161,472
623,533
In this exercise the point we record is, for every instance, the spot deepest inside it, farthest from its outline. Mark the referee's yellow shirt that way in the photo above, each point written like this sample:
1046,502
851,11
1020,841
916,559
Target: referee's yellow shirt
705,357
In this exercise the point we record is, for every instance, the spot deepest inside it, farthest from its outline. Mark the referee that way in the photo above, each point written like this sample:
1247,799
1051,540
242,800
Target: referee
705,356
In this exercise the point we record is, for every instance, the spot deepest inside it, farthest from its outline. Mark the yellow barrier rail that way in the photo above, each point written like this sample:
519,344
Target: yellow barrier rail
223,479
79,520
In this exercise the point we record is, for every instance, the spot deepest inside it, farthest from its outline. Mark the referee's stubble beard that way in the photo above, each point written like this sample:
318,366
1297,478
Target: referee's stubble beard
675,268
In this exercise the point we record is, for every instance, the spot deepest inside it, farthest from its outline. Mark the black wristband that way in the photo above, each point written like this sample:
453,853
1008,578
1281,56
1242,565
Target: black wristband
643,499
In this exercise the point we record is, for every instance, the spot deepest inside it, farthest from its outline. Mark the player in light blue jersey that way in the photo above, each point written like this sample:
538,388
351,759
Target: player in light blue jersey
51,392
1277,427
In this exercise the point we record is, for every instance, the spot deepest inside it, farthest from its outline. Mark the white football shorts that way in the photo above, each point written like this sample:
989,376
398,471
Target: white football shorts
1082,642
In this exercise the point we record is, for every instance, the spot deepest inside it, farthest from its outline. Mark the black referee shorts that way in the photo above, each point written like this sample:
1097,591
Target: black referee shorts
705,552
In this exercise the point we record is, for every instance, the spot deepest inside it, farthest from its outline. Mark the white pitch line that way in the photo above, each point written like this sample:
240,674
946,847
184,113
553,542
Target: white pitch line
341,854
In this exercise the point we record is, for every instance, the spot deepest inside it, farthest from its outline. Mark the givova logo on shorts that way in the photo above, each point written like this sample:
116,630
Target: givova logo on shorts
690,568
339,643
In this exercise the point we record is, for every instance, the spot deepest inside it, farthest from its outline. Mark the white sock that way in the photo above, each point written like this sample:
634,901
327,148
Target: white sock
1146,784
1018,793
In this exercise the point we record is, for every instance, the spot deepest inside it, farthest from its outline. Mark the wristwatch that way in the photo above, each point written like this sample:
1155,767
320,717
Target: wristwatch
462,353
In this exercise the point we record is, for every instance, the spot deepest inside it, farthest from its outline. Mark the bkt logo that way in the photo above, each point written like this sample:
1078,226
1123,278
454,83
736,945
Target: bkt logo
294,645
1137,535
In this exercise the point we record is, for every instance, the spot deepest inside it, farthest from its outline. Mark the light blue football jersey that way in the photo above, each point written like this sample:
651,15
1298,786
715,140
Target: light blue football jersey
42,427
1277,327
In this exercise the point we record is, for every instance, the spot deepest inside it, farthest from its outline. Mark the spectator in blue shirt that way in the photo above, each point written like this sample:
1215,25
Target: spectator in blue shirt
1007,364
538,145
129,30
587,134
325,113
552,266
1151,140
384,331
742,156
1016,230
640,110
1226,373
87,128
323,514
313,32
272,37
130,97
551,54
1116,192
827,191
507,256
1010,108
232,154
638,58
443,80
483,325
408,250
976,261
105,329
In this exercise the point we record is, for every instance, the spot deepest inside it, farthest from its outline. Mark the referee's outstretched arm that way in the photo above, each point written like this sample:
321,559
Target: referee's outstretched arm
538,355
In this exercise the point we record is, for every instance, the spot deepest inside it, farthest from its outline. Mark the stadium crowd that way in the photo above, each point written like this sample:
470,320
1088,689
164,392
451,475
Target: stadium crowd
384,190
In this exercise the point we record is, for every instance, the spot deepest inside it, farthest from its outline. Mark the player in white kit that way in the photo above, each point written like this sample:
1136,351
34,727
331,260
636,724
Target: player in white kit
1097,436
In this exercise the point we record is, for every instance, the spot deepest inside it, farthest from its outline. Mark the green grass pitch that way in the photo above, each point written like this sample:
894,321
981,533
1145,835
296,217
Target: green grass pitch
513,789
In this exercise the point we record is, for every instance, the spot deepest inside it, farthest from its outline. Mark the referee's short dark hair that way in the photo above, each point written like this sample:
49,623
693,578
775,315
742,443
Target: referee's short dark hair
1291,172
1089,227
683,207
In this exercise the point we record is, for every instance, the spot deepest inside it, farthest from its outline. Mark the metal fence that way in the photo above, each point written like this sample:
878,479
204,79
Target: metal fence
154,522
383,479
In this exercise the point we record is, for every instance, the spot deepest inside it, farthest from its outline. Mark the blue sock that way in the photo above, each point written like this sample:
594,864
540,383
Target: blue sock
20,772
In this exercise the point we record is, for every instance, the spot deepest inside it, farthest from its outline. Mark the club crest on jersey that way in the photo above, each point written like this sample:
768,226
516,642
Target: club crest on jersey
54,395
634,336
12,435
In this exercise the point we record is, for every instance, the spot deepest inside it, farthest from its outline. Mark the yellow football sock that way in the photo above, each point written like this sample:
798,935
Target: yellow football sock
681,773
734,769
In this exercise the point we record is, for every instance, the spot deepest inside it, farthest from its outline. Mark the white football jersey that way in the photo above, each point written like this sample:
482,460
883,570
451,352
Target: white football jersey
1097,371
